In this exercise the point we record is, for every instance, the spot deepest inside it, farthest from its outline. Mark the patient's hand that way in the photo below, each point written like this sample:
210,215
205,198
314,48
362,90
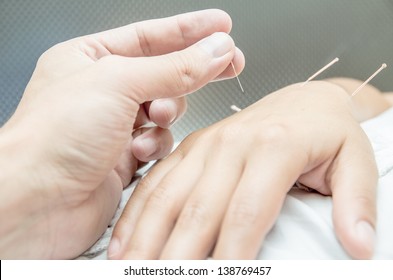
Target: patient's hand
222,189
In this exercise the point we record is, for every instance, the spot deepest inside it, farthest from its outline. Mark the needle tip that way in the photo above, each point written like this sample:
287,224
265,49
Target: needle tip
235,108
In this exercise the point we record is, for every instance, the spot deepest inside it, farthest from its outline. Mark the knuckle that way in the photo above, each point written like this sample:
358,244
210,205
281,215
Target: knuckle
185,25
229,134
161,197
243,214
143,40
49,58
144,186
194,214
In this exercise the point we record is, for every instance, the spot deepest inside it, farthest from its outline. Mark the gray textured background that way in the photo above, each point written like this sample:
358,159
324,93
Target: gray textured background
283,41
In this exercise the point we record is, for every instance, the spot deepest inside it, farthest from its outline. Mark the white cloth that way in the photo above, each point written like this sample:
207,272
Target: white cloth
304,228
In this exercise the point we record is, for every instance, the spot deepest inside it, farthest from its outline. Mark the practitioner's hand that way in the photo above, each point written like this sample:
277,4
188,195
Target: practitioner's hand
222,189
69,145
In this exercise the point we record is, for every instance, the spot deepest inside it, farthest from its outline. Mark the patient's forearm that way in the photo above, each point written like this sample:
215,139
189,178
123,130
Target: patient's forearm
369,102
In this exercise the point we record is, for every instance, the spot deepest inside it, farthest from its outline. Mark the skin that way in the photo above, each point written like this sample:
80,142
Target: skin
219,195
78,134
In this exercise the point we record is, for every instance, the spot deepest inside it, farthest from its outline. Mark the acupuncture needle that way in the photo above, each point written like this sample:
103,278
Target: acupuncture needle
320,71
383,66
237,77
237,109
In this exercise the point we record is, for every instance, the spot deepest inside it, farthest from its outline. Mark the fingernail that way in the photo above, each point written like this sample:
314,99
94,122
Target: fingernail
114,247
366,234
217,44
149,146
171,109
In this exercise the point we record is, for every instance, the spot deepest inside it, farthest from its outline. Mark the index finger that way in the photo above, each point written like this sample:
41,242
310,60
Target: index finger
161,36
257,202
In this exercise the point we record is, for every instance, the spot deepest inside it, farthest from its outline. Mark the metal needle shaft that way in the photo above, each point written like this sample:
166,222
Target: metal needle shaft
321,70
237,77
369,79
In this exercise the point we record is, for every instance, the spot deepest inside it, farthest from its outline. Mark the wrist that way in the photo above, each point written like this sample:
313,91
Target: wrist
366,104
318,96
22,206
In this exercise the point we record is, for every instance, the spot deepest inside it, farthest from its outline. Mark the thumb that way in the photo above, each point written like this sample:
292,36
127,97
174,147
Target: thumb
170,75
354,198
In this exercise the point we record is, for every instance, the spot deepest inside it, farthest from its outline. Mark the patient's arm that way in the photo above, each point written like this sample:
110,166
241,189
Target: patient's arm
389,97
223,187
369,101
